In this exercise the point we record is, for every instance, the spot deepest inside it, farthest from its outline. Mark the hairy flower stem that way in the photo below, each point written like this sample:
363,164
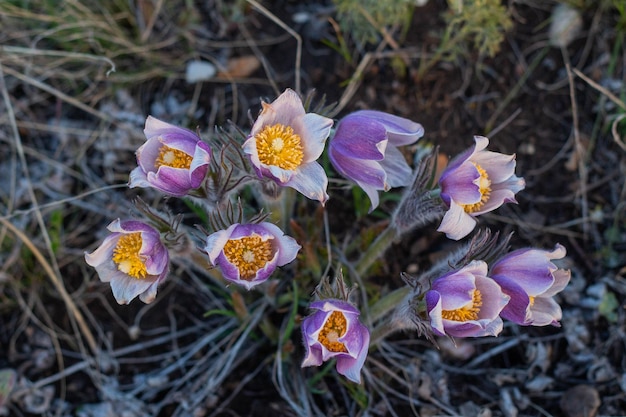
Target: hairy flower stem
390,313
280,208
387,303
377,249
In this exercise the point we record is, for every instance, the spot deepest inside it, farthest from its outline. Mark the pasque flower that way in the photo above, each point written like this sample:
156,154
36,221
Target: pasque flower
466,303
285,143
132,259
476,182
247,254
364,149
334,331
173,160
530,278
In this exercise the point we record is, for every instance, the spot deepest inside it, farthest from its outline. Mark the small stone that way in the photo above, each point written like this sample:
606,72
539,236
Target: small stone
565,26
199,71
580,401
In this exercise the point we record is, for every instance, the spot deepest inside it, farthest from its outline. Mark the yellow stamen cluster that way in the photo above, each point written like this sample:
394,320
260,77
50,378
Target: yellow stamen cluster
279,146
248,254
468,312
532,300
173,158
126,255
484,186
336,326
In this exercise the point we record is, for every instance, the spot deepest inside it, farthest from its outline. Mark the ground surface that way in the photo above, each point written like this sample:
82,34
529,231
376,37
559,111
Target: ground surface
69,133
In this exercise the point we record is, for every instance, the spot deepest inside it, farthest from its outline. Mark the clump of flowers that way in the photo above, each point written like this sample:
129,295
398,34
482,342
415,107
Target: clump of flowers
364,149
466,294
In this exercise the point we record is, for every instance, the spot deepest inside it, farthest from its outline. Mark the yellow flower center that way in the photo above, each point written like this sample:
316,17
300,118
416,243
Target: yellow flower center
279,146
336,326
467,312
126,255
174,158
532,300
484,186
248,254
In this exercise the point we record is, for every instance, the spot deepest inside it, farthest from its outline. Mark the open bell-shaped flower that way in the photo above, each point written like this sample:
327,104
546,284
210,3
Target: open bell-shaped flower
530,278
476,182
285,143
173,160
132,259
334,331
466,303
247,254
364,149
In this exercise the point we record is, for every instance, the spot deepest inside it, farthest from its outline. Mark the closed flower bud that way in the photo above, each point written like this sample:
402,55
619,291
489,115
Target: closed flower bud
364,149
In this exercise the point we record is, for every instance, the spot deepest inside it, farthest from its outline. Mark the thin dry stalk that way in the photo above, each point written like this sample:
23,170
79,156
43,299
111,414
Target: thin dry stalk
289,30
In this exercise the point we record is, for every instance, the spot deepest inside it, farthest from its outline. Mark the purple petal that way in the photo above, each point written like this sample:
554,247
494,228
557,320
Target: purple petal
360,138
400,131
148,153
313,130
517,310
398,171
545,311
477,328
311,181
284,110
104,252
149,295
215,242
493,299
138,178
126,288
359,170
172,136
499,167
170,180
434,306
529,268
481,143
456,289
460,184
456,223
357,344
372,193
497,197
561,279
313,355
334,305
286,246
229,271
